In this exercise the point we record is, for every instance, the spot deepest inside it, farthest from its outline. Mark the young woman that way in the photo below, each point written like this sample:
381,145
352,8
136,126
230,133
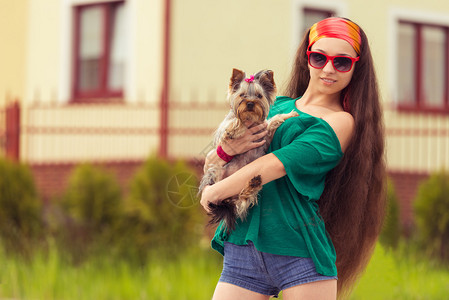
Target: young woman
322,203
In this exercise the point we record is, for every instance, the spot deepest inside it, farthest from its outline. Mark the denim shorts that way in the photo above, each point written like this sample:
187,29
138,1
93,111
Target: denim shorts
266,273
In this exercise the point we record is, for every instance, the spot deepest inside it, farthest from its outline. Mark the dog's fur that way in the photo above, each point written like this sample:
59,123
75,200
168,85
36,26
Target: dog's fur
250,102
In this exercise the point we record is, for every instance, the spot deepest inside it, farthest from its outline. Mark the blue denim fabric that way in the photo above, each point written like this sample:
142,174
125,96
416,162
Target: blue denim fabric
266,273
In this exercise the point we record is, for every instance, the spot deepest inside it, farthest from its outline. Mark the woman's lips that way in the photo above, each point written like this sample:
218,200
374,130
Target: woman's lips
328,81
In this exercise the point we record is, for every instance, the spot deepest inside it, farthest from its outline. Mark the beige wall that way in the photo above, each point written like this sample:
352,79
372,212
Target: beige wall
146,31
43,51
210,38
13,40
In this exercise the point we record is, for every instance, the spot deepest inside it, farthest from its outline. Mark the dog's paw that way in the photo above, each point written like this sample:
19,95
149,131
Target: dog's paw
291,114
255,182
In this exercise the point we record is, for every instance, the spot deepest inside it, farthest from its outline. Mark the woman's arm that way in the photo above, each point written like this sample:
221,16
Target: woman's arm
269,167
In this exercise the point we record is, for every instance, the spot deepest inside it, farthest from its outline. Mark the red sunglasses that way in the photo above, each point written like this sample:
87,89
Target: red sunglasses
341,63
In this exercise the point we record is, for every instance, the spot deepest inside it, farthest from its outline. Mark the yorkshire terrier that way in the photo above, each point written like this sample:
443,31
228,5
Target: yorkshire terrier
250,100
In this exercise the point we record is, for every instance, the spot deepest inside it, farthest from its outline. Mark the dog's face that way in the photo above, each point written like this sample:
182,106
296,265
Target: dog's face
250,98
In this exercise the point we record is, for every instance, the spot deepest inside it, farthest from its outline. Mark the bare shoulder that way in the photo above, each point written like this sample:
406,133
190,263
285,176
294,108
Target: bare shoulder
340,119
343,125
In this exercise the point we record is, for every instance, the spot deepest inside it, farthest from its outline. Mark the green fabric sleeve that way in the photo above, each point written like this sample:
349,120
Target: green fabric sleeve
308,157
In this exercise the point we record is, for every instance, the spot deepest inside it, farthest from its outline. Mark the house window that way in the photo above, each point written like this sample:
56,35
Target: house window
99,54
311,16
423,67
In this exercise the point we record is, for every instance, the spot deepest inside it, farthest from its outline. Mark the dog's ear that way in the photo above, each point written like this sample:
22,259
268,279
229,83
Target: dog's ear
236,78
266,80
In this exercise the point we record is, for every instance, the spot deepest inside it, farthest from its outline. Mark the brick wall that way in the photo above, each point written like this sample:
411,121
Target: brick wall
51,179
406,185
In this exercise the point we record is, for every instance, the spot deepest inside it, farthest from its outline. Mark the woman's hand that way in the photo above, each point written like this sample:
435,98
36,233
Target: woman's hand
207,197
247,141
239,145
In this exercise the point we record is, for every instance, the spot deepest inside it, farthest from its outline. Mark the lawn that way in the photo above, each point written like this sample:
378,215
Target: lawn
404,275
194,275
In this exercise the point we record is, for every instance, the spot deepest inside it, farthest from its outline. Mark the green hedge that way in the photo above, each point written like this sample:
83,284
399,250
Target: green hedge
93,208
20,208
432,215
161,211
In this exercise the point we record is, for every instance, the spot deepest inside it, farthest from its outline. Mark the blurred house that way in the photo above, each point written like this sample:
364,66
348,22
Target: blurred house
114,81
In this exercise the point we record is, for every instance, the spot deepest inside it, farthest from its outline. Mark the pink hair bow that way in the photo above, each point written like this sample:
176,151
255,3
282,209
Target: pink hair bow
250,79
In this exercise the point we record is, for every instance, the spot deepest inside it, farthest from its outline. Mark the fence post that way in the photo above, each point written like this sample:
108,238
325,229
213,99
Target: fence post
13,131
164,105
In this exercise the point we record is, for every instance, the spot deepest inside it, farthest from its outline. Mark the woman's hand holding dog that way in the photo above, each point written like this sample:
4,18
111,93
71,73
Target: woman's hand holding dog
239,145
207,197
247,141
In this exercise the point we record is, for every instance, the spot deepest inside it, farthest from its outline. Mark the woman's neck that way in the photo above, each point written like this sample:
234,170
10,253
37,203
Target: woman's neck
331,102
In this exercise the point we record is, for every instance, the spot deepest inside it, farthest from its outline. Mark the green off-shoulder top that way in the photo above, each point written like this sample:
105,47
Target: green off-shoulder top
286,220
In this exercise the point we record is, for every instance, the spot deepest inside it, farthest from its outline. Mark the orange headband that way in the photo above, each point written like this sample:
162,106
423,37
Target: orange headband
336,28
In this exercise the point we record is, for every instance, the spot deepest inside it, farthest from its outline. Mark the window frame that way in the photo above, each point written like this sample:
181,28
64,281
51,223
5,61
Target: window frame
419,104
328,11
300,7
103,94
325,11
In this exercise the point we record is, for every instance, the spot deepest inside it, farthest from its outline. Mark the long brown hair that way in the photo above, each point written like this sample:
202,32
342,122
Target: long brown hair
353,202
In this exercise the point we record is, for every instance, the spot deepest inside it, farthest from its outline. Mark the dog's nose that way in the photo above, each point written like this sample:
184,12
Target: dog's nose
250,105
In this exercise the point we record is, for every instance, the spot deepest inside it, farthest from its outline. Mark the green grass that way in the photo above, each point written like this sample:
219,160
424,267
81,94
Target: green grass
402,274
390,275
194,276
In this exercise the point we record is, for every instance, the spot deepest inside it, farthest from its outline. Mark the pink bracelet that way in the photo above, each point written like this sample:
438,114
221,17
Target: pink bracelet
220,152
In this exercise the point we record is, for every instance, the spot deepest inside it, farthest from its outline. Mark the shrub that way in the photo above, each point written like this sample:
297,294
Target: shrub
432,215
92,203
20,207
391,231
162,209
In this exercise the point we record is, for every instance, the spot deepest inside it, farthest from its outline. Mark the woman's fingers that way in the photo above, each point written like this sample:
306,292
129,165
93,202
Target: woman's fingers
248,141
257,144
258,128
259,135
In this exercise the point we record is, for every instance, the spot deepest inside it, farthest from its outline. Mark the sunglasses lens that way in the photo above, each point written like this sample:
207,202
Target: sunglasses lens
342,64
317,60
